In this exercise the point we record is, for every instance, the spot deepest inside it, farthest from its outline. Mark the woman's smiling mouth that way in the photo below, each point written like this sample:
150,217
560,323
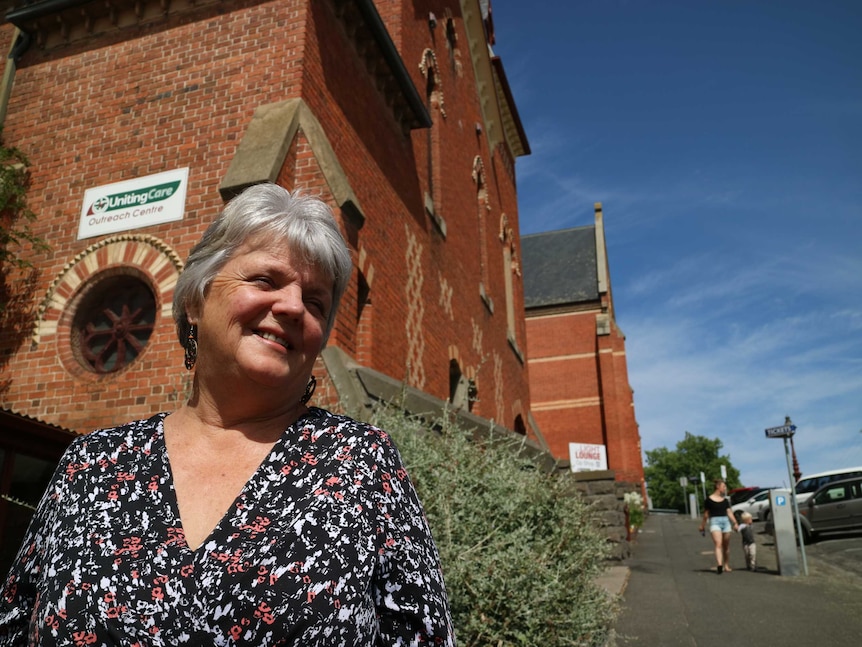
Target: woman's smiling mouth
271,337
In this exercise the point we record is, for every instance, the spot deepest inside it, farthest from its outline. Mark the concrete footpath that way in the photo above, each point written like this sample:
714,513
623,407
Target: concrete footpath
671,595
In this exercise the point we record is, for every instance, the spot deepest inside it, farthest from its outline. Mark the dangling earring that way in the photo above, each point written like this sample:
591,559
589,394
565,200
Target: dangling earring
192,347
309,390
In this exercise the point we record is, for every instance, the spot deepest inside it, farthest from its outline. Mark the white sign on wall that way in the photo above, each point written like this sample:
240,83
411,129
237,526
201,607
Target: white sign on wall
584,457
133,204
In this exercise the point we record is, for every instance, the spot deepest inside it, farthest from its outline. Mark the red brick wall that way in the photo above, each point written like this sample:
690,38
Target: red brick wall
580,389
180,93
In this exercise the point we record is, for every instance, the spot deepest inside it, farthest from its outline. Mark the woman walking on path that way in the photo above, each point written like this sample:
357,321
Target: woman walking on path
716,509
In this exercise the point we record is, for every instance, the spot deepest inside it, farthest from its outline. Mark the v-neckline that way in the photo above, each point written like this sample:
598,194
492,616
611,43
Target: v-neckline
249,487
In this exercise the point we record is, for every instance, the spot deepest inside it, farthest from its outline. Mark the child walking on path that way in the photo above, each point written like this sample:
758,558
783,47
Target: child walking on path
749,547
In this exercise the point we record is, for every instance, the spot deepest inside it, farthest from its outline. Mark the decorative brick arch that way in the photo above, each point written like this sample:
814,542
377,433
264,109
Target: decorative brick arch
434,96
479,179
507,238
511,269
455,354
151,256
518,422
483,206
431,72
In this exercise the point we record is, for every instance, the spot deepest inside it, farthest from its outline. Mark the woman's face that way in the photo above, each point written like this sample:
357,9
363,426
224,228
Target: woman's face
263,320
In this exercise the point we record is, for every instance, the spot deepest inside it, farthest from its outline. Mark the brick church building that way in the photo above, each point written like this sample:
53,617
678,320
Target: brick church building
140,118
581,398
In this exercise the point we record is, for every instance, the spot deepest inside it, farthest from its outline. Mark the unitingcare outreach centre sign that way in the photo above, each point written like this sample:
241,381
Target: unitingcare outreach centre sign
133,204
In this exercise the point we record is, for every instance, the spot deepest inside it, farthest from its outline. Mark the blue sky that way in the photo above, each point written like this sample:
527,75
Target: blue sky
724,139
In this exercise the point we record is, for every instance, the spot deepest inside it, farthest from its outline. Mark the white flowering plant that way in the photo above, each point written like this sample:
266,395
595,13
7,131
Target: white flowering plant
635,506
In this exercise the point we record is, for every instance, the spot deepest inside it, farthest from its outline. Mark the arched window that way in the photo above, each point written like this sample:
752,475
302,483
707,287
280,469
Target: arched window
520,427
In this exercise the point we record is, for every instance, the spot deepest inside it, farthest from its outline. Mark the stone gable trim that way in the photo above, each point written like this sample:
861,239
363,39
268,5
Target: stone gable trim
264,147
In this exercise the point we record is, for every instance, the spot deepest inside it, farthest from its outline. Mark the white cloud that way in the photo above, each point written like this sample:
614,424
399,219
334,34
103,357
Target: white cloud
703,358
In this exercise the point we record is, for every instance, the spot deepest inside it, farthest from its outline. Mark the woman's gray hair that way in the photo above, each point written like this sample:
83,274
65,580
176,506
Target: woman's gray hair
268,212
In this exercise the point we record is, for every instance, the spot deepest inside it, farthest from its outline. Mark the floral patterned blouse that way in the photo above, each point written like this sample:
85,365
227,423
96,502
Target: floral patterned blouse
327,545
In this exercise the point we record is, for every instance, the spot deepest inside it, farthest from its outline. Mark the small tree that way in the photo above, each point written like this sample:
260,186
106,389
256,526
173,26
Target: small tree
520,549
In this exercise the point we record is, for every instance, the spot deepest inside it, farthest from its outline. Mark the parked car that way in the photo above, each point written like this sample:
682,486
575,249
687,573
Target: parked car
742,494
807,486
755,505
835,506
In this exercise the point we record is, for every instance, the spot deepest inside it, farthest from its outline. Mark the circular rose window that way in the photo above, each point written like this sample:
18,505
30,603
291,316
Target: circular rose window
112,323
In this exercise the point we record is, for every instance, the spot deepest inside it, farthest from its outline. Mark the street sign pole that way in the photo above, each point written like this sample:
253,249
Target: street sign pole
786,431
683,481
795,506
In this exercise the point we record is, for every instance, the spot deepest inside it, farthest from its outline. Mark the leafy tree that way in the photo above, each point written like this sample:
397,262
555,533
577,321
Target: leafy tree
693,455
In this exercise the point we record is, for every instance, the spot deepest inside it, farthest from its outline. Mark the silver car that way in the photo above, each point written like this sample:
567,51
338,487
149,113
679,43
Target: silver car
835,506
755,505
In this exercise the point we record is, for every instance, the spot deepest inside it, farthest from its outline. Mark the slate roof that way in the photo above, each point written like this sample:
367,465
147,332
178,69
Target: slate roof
559,267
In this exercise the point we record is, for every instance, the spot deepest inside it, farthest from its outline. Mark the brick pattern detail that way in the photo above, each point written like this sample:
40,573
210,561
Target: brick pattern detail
499,396
446,293
415,312
477,337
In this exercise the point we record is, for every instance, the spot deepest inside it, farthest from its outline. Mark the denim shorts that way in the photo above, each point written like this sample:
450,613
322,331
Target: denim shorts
719,523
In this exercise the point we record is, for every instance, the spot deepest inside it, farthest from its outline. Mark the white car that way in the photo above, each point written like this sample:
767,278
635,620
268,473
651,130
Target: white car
756,505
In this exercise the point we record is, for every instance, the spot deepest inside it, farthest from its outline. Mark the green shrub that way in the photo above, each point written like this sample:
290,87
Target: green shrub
520,550
15,215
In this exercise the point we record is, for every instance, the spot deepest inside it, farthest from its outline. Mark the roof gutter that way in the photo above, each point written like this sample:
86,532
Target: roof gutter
393,58
23,15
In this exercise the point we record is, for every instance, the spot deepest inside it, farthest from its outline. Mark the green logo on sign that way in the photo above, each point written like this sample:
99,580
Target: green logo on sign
136,198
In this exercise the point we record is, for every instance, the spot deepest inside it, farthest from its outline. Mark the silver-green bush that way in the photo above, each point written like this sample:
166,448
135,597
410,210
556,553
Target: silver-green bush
520,550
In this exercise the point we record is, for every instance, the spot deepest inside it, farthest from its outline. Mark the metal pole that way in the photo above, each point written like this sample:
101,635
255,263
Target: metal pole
795,507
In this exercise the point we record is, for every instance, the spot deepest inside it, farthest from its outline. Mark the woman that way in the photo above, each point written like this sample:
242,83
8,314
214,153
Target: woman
244,517
716,509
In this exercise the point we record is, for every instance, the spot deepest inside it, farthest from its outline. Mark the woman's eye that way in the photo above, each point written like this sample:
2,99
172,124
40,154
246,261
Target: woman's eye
314,305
